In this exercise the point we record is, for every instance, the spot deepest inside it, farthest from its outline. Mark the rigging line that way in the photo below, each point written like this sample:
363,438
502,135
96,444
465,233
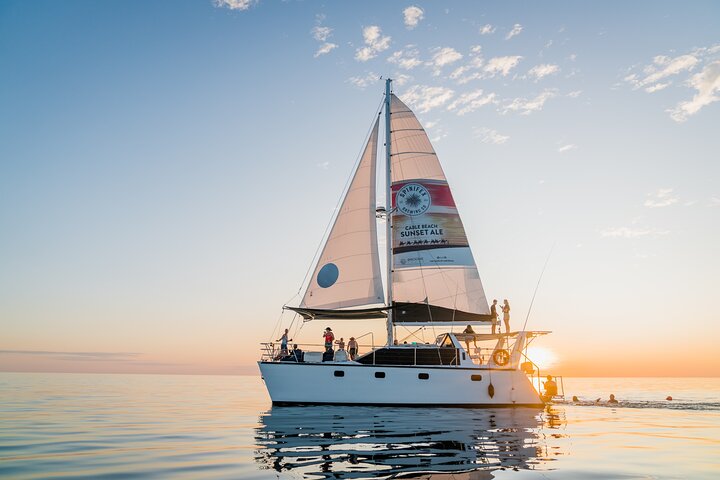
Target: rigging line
538,285
358,159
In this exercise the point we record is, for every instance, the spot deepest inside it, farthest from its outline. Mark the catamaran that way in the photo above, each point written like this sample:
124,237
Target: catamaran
432,281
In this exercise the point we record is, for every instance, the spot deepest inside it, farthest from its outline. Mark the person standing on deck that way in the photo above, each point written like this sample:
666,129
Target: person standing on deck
352,348
329,339
494,315
284,343
506,315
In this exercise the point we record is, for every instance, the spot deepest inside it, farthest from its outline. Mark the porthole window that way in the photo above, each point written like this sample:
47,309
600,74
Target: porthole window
476,378
379,374
339,373
424,376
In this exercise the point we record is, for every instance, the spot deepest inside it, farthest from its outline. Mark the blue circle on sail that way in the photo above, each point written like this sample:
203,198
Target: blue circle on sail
328,275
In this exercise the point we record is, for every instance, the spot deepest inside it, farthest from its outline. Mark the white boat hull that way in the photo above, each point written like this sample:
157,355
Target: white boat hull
317,383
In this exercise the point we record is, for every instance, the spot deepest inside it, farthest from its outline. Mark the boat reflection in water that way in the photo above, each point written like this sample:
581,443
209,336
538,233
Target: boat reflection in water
372,442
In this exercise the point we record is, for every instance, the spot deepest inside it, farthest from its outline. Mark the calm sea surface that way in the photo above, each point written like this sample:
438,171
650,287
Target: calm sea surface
141,426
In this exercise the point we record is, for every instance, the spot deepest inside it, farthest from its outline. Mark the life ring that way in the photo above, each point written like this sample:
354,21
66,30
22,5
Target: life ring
501,357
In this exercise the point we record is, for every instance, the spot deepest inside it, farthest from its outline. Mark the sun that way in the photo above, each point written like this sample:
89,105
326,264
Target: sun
543,357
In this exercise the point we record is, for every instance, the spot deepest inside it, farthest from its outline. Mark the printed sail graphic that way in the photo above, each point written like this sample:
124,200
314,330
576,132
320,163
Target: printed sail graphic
435,278
348,270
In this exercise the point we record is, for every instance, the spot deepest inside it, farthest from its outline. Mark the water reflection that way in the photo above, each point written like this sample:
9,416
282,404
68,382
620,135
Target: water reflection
371,442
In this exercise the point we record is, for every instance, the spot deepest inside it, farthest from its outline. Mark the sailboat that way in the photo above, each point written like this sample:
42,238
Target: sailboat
431,281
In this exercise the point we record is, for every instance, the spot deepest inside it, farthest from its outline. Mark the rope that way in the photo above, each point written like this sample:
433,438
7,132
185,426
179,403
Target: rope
537,286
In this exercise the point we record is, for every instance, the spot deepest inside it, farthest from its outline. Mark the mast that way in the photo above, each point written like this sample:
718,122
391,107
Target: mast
388,210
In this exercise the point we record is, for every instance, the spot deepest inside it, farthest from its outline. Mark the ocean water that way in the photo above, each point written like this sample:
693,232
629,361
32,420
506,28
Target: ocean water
156,426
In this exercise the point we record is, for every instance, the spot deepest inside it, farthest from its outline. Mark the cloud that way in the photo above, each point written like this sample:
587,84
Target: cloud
94,356
469,102
443,56
662,198
413,15
235,4
543,70
501,65
527,106
423,98
471,70
487,29
663,70
370,78
626,232
657,87
401,79
322,34
707,84
517,28
488,135
574,94
567,148
323,165
375,43
406,59
325,48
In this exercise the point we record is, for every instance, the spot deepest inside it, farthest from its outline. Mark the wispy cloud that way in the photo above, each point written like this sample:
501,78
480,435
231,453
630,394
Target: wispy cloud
423,98
324,165
662,198
471,101
574,94
413,14
401,79
567,148
375,43
628,232
325,48
661,73
501,65
707,85
517,28
95,356
487,29
527,106
488,135
235,4
407,59
361,82
543,70
322,34
442,57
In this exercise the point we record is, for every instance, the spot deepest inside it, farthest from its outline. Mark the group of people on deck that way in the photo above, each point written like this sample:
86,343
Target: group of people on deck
506,315
352,344
494,317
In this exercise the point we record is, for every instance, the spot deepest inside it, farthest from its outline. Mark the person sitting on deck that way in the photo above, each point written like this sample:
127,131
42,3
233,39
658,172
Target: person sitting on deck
340,343
469,331
298,354
550,389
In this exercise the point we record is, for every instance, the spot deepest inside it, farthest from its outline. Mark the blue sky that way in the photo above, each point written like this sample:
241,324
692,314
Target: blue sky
167,168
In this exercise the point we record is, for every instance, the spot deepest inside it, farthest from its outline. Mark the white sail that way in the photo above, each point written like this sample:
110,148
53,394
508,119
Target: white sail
348,270
434,272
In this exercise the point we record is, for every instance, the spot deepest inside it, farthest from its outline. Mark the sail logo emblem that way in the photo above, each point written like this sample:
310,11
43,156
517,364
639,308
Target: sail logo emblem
413,199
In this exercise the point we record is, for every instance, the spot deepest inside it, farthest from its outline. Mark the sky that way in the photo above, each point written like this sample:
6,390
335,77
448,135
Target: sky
168,168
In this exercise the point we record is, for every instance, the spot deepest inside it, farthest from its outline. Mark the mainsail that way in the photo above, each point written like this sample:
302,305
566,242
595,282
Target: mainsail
348,270
434,277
